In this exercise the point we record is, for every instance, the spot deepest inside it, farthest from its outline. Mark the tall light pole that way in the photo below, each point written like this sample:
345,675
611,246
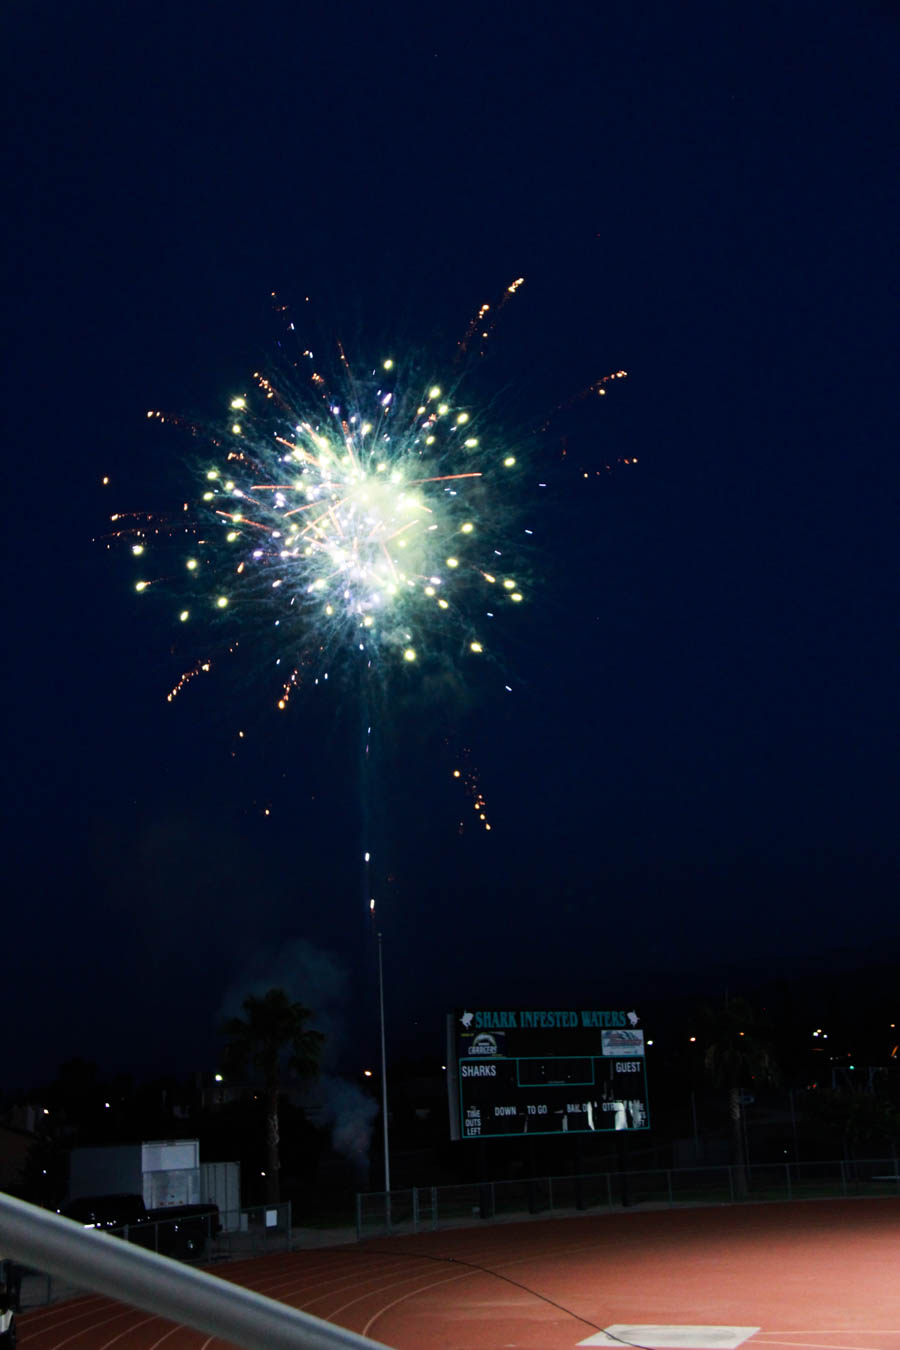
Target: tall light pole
384,1098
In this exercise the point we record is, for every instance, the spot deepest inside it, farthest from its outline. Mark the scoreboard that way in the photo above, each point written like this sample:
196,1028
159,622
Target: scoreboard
552,1071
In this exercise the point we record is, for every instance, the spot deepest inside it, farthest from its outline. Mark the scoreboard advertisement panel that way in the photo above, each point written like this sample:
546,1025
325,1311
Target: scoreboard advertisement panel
552,1071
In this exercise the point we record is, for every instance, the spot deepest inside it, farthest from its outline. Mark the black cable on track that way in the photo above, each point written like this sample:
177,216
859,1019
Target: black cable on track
498,1275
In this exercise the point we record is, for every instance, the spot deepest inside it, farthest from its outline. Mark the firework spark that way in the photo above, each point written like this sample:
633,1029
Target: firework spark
366,520
203,667
469,779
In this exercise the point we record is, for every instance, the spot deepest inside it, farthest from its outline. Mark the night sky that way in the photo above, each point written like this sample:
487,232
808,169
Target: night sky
695,782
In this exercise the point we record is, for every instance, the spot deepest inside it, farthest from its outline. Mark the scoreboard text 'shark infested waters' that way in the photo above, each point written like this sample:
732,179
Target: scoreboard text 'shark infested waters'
552,1071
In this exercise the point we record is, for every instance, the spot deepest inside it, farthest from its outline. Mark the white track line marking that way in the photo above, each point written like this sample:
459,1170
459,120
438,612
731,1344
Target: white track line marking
818,1345
166,1334
124,1311
412,1294
63,1321
53,1309
129,1330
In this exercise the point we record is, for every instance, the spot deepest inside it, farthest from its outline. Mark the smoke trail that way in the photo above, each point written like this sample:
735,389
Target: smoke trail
351,1114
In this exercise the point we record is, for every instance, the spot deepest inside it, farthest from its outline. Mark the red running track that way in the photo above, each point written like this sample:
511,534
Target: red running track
819,1275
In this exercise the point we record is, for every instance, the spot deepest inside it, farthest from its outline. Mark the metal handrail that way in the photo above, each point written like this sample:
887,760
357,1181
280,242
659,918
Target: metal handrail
159,1285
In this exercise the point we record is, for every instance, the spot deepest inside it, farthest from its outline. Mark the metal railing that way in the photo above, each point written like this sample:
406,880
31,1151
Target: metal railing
242,1232
423,1208
93,1260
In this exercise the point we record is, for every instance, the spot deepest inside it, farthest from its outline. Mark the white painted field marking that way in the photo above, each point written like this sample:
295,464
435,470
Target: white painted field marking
671,1337
820,1345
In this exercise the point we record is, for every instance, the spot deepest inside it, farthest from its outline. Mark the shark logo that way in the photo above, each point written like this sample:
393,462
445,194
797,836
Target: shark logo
633,1018
466,1020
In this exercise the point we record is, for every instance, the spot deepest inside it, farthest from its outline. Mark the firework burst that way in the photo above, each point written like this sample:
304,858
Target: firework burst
365,519
353,516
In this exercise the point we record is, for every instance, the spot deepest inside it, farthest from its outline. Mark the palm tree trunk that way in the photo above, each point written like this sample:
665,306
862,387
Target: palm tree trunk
737,1143
273,1160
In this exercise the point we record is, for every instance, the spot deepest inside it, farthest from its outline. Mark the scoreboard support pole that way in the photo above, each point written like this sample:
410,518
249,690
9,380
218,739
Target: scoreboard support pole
580,1202
534,1204
621,1156
486,1186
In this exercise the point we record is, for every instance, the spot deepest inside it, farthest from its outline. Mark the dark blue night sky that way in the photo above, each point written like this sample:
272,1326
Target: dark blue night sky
696,782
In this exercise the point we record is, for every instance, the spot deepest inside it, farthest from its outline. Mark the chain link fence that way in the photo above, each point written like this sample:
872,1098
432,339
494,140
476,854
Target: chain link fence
424,1208
198,1239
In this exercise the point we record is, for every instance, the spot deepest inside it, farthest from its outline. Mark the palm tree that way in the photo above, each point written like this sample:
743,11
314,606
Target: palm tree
270,1037
736,1054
